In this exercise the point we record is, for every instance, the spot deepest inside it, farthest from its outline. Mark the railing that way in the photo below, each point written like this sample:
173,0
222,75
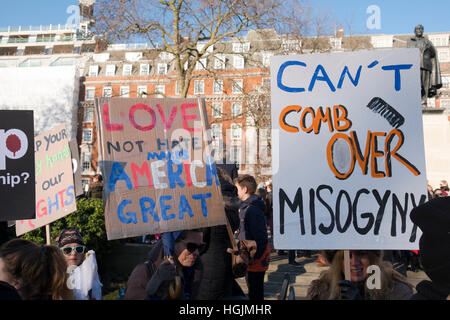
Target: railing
52,27
51,39
128,46
17,40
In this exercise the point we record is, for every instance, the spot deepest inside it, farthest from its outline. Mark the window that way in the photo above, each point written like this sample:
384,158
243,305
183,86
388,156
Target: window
445,103
177,88
266,59
162,68
110,70
439,40
237,86
124,92
107,92
218,86
382,41
85,161
142,90
238,62
127,68
443,55
93,71
336,43
201,64
85,183
145,69
236,109
239,47
431,102
199,87
90,93
216,131
291,45
236,131
161,89
88,115
219,61
87,135
235,155
445,82
216,110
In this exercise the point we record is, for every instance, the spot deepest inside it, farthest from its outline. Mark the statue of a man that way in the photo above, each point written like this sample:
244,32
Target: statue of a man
430,74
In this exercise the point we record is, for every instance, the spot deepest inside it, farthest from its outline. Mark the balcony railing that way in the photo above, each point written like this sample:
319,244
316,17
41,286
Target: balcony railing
52,27
18,40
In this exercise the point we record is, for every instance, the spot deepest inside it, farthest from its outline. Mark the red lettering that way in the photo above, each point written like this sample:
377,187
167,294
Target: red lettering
185,117
108,125
144,107
173,113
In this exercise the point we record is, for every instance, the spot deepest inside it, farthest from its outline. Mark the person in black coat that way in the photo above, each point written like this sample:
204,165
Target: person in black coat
218,280
433,218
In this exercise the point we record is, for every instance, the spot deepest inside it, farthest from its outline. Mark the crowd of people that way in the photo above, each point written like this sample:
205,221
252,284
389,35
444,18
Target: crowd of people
198,265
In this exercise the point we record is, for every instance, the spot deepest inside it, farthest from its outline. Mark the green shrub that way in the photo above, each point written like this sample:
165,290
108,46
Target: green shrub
89,219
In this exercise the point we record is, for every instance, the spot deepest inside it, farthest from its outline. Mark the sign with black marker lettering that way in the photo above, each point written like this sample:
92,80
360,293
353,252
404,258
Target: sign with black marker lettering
351,160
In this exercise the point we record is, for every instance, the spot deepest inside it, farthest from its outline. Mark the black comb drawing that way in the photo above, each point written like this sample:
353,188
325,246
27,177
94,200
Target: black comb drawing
388,112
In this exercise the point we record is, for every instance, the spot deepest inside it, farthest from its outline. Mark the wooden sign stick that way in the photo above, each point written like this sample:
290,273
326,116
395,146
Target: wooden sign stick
47,232
347,265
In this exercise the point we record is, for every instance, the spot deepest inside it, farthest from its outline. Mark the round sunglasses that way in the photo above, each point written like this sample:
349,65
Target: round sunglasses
192,246
78,249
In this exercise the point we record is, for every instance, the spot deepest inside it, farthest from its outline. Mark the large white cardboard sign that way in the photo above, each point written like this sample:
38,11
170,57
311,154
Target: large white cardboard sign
350,164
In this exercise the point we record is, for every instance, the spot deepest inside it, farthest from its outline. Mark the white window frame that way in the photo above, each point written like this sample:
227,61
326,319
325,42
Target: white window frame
106,89
291,45
86,157
240,47
216,131
237,86
440,40
127,70
141,89
93,71
162,89
198,83
236,109
201,64
219,61
235,154
110,70
162,69
144,69
218,87
87,133
236,131
266,59
336,43
88,96
443,54
216,110
122,95
238,62
88,116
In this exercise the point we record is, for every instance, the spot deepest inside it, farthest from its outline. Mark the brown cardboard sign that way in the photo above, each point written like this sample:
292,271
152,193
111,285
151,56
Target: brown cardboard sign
55,192
158,173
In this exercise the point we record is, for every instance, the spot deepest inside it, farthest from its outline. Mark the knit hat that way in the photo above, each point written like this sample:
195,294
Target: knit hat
70,235
433,218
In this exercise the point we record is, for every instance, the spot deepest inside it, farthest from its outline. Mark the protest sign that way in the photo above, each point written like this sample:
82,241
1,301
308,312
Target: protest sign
17,192
158,173
351,162
73,145
55,193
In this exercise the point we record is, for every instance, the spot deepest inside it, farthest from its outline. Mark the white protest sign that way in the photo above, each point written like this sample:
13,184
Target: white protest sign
351,163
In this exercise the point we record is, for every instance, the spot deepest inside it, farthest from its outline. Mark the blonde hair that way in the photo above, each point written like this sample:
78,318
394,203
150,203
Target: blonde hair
41,271
389,277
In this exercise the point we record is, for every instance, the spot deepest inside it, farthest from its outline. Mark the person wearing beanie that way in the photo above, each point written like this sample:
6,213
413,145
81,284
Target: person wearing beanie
81,265
332,286
433,218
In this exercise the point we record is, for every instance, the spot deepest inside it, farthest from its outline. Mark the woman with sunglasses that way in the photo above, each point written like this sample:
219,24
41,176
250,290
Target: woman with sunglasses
81,265
165,277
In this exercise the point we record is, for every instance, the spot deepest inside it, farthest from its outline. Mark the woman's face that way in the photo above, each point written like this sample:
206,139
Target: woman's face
187,249
72,254
359,261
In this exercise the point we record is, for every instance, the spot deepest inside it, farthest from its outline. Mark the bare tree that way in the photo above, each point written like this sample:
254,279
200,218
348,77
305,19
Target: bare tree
187,30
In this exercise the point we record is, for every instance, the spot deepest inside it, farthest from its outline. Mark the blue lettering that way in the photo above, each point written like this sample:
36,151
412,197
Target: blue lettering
397,68
184,207
117,173
148,210
70,194
211,171
280,76
354,81
202,197
50,204
165,207
174,177
153,155
323,77
131,214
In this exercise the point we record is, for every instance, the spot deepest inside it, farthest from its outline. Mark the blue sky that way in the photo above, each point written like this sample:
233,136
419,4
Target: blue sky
396,16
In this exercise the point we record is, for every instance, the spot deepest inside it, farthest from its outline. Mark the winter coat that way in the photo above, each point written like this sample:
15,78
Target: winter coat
142,273
217,281
319,290
253,227
427,290
96,190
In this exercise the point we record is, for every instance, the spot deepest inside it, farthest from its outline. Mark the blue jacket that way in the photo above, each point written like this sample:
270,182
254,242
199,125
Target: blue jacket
252,223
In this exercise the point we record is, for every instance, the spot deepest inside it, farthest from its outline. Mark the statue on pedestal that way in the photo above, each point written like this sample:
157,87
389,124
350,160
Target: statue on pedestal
430,74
